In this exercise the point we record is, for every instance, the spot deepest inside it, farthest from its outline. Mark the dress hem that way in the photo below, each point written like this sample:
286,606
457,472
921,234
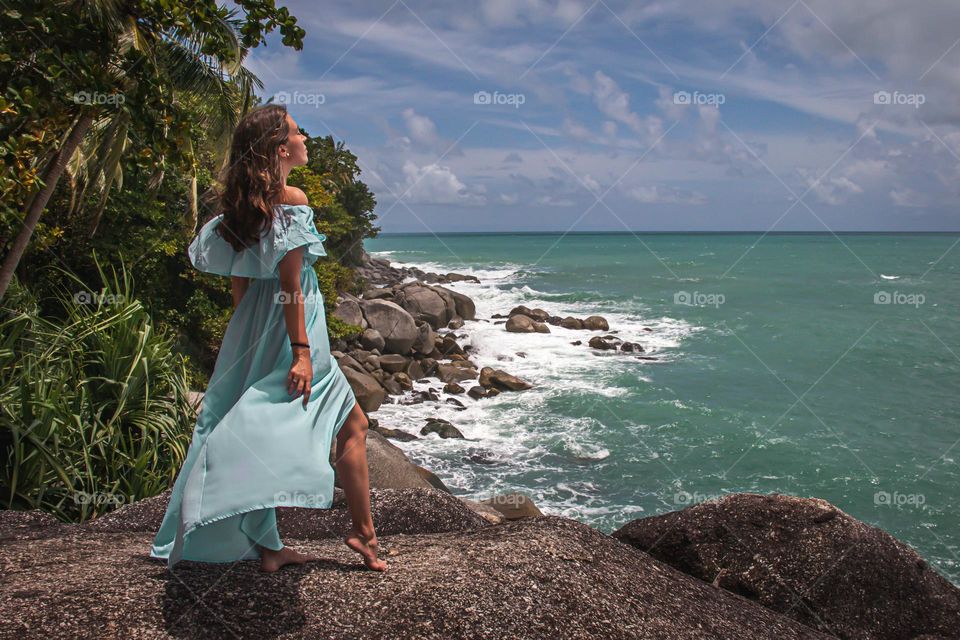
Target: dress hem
327,505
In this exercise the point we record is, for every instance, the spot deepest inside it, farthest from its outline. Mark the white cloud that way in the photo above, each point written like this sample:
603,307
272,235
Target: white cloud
658,194
436,184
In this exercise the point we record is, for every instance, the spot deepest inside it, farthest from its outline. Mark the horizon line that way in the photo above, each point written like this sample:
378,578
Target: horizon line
677,232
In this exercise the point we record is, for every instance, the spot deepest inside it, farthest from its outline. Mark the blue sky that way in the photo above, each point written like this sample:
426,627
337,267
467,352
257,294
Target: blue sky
530,115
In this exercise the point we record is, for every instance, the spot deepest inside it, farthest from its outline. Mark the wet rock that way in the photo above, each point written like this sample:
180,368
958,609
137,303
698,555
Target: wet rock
490,377
442,428
808,560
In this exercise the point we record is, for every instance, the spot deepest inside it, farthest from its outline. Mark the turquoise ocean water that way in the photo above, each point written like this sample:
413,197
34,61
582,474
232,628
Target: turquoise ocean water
813,365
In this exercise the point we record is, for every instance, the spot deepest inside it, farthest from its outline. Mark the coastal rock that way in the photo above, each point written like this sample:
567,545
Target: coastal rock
395,434
426,339
389,467
539,315
571,323
807,559
366,388
371,339
423,303
513,506
456,323
452,387
452,373
403,380
490,377
598,342
395,325
393,363
463,306
520,323
349,312
442,428
554,578
595,323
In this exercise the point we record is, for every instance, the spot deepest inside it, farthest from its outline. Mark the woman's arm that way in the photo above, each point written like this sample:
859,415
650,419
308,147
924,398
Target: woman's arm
300,378
239,286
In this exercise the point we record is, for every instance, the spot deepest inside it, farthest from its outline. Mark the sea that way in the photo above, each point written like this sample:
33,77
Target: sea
815,365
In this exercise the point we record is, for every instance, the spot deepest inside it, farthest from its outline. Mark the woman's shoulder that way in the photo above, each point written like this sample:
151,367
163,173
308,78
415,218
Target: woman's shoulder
294,196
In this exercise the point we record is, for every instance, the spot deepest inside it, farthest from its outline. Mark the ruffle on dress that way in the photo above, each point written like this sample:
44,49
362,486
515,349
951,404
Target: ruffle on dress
292,227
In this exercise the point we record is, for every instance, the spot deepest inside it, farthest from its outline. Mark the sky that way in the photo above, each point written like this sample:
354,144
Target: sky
595,115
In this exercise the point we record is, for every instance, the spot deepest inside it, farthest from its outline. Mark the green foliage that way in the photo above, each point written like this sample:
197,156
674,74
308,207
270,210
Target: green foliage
94,408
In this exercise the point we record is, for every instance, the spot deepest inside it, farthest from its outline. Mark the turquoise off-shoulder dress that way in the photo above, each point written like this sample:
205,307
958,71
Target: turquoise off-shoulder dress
254,446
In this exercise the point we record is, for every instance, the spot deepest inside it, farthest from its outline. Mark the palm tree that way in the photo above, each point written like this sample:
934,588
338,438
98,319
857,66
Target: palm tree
182,54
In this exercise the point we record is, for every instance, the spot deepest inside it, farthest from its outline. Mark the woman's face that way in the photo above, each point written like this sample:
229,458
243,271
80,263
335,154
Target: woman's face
293,152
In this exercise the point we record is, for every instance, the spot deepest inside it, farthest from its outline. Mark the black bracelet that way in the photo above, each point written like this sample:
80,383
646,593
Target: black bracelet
299,344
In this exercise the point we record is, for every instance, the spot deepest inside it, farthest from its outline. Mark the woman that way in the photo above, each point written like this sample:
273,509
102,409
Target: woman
277,397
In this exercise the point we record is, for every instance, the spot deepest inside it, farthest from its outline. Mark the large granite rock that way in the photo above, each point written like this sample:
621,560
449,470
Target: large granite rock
541,577
393,323
808,560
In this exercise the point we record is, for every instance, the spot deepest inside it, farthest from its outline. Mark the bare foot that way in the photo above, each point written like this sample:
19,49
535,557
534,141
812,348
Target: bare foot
271,560
367,546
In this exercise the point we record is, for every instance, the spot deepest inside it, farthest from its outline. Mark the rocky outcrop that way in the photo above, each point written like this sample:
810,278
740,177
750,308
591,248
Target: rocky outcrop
450,575
393,323
808,560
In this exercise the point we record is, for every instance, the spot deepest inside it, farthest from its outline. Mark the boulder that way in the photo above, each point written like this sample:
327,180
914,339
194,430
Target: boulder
490,377
395,325
423,303
808,560
571,323
513,506
520,323
426,339
393,363
597,342
349,312
595,323
452,373
371,339
541,577
463,306
442,428
366,388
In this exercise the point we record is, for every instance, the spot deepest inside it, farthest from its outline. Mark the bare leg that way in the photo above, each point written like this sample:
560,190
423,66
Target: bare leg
354,477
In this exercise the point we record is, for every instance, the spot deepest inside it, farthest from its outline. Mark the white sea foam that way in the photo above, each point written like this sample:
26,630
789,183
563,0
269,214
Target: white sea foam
515,433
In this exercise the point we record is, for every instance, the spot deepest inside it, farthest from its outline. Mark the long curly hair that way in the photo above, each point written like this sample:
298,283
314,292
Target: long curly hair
252,180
